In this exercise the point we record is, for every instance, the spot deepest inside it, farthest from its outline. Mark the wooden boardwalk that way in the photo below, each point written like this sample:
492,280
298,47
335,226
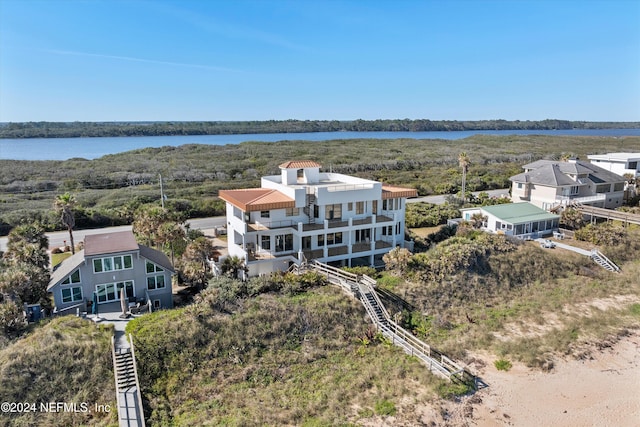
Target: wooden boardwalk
609,214
362,287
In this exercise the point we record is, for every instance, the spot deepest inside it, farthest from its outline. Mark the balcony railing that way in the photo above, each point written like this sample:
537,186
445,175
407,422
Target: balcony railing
566,200
336,223
383,218
314,254
361,247
258,226
338,250
362,221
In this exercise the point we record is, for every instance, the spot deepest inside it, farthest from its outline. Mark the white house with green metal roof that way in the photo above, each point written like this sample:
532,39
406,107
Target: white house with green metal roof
522,220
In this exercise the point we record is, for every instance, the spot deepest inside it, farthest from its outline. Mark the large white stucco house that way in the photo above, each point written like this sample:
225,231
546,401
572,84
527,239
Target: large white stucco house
618,163
549,184
304,214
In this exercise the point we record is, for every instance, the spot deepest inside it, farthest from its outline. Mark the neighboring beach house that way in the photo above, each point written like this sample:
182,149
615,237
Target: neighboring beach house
522,220
549,184
108,263
304,214
618,163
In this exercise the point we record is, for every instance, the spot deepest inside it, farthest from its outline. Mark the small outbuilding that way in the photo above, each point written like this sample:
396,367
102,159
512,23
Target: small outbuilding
522,220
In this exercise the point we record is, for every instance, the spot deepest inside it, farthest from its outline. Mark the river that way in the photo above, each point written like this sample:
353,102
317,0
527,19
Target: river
92,148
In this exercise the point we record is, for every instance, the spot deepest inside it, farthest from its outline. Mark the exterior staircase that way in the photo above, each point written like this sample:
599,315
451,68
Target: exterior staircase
600,259
130,410
362,288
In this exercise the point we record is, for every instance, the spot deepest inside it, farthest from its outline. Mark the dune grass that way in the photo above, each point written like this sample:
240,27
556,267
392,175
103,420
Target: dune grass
66,360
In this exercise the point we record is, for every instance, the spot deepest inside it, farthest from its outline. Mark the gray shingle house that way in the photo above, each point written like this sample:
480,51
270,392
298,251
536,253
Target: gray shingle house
108,263
549,184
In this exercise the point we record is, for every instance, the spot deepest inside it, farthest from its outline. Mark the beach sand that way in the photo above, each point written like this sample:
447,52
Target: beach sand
601,390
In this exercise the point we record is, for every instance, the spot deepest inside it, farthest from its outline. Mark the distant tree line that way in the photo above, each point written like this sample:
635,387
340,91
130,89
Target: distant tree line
104,129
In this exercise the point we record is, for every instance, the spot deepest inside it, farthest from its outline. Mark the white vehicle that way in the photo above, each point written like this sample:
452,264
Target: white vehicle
548,244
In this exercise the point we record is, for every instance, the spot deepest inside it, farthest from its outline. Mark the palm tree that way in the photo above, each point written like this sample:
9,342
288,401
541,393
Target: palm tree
64,205
232,265
478,220
463,162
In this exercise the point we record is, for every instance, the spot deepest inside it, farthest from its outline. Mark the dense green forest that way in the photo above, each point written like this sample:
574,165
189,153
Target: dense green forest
110,188
98,129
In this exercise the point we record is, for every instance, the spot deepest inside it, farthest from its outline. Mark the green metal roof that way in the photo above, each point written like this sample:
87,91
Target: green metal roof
519,213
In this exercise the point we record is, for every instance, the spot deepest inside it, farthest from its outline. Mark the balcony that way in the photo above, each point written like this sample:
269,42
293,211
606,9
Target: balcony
336,223
314,254
311,227
381,244
258,226
338,250
361,247
383,218
362,221
567,200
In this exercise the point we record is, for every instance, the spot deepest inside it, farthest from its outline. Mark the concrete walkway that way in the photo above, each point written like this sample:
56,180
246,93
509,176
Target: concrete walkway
568,247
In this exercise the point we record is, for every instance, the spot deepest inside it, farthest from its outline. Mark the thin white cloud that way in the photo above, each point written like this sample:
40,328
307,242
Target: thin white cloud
143,60
233,30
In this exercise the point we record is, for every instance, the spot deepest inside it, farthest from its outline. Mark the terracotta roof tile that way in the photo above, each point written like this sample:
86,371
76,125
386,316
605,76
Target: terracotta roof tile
257,199
392,192
300,164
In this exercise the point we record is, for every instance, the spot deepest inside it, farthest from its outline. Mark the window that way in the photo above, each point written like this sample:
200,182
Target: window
603,188
72,294
320,239
106,292
384,205
300,174
293,211
360,208
374,207
633,165
152,268
128,288
72,278
350,206
111,291
398,228
121,262
306,242
574,190
334,238
284,242
363,235
265,242
333,211
155,282
618,186
264,214
519,186
387,231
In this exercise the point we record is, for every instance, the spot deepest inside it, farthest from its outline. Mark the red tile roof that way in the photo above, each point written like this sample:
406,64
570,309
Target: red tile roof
300,164
257,199
392,192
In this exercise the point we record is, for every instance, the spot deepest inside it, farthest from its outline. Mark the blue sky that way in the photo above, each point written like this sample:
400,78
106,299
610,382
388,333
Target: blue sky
260,60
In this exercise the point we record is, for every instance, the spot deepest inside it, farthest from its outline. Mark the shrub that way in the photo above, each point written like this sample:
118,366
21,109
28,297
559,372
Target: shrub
502,365
385,407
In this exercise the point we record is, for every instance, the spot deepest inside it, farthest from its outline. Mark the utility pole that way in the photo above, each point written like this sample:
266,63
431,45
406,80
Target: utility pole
161,191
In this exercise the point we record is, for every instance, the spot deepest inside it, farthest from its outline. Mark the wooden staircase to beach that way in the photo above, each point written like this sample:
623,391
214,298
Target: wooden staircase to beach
362,287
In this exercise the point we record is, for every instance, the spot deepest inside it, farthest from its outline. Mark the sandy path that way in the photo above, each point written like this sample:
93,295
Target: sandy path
602,391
